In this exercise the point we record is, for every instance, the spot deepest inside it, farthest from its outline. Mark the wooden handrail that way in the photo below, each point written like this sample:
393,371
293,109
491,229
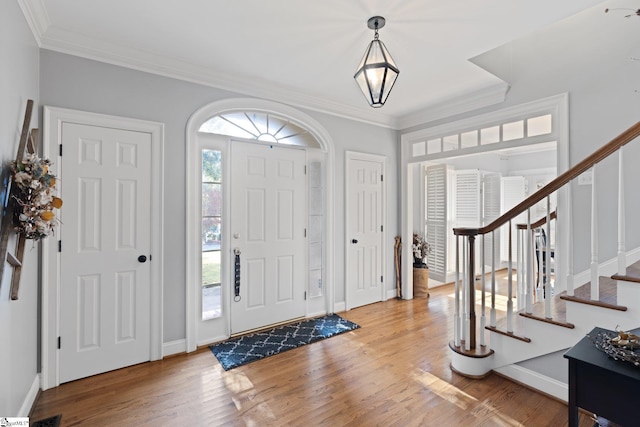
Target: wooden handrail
602,153
539,223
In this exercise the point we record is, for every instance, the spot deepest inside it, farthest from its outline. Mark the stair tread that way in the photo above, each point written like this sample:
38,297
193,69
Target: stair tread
608,297
632,274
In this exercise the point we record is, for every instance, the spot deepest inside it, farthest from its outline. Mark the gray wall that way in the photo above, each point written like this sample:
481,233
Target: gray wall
18,319
81,84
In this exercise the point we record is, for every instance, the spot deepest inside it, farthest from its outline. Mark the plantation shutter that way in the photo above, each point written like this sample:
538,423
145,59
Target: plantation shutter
467,193
491,210
436,220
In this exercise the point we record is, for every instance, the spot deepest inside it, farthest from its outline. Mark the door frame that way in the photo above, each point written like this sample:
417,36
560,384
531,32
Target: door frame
193,246
382,160
53,119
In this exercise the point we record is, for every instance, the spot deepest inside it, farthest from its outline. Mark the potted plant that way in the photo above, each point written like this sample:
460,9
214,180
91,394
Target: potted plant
421,248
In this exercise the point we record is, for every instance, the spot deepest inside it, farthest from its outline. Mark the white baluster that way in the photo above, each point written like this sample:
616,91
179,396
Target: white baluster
493,279
510,286
547,264
483,320
456,307
595,283
465,295
529,264
520,295
622,257
569,249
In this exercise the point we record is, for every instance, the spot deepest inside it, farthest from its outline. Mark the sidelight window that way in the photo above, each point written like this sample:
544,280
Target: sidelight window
211,233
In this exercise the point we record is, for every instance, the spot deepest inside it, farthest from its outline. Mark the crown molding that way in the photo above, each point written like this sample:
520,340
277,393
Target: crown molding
63,41
56,39
486,97
36,16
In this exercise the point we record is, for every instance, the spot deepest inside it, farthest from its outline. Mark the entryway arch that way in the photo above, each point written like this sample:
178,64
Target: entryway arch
196,141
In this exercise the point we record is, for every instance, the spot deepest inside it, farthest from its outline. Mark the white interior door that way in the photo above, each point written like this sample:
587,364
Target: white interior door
104,281
364,231
268,223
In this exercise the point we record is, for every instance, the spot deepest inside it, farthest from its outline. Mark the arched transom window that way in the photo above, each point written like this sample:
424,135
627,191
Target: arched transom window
261,126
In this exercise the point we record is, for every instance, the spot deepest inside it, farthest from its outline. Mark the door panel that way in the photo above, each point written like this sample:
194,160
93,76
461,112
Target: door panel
364,232
105,290
268,222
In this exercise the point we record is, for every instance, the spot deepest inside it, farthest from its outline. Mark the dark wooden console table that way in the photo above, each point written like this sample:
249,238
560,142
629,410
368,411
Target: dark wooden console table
598,384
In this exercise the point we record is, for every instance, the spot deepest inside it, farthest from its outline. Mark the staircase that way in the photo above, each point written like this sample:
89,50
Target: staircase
545,313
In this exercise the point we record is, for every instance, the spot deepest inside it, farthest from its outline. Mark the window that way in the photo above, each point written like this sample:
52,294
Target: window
211,233
260,126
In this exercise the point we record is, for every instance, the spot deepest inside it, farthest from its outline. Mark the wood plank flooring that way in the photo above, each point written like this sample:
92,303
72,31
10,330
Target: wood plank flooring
393,371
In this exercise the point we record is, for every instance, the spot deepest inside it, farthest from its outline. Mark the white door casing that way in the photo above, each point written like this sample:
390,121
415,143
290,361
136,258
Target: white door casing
365,220
193,215
268,226
103,303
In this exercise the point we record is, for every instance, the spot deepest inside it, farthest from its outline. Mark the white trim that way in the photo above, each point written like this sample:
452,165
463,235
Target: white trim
30,398
382,160
174,347
52,124
192,183
533,379
468,102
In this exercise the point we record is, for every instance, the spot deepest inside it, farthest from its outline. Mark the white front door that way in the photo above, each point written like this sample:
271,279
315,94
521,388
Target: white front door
364,230
268,227
105,249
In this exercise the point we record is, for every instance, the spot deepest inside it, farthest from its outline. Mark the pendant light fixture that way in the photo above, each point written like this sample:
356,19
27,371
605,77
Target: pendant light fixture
377,71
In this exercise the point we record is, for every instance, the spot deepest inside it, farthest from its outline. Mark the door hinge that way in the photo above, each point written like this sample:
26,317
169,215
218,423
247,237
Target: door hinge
59,245
59,343
305,295
382,228
382,178
60,150
150,257
305,169
305,232
381,279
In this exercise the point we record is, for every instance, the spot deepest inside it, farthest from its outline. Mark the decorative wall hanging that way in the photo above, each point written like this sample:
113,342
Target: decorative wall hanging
28,209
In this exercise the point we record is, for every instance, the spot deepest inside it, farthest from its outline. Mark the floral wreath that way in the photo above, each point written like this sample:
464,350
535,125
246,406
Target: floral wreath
34,195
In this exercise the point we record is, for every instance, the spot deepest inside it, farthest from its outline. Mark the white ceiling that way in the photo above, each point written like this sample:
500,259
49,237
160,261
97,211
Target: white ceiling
305,53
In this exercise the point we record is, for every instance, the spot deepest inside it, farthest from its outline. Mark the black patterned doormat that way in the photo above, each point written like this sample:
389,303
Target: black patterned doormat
248,348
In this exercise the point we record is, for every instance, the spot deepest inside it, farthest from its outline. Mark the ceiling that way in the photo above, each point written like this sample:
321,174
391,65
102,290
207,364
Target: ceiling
305,53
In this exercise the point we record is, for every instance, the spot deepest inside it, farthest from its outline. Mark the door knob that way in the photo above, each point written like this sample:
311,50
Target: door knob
354,241
142,258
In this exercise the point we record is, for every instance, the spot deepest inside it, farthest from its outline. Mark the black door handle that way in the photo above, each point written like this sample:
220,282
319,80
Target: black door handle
354,241
142,258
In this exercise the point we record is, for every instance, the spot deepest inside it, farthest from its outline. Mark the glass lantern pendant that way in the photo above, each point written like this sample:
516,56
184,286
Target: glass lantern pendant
377,71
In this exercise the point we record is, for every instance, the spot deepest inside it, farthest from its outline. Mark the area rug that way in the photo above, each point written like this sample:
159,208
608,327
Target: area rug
248,348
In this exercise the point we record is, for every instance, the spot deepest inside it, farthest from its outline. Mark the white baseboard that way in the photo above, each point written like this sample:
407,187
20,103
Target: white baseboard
535,380
339,306
606,268
174,347
30,398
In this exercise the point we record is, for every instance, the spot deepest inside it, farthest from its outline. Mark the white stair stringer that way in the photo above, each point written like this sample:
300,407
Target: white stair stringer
547,338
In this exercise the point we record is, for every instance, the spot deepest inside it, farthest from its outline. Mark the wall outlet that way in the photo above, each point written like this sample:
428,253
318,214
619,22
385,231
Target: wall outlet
586,178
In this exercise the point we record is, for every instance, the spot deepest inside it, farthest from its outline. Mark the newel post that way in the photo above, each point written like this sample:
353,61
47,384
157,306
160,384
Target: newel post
471,300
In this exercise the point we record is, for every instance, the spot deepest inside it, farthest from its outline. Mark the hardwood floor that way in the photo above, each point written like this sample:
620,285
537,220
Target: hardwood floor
393,371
